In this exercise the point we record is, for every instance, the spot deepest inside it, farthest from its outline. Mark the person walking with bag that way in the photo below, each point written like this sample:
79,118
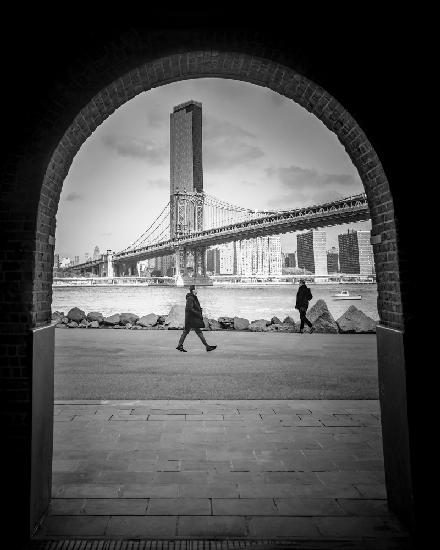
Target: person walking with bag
193,320
303,296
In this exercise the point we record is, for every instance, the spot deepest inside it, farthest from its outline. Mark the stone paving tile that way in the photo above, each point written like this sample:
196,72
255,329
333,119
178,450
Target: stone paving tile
364,507
371,490
145,526
66,506
243,507
88,490
209,490
115,506
309,507
358,527
199,526
278,527
139,490
179,507
74,525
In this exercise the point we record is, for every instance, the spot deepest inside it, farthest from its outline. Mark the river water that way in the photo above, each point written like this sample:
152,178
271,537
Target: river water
252,302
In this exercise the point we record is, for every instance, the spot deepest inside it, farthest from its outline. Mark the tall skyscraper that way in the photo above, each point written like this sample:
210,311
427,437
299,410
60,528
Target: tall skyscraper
186,170
311,251
332,260
356,252
96,253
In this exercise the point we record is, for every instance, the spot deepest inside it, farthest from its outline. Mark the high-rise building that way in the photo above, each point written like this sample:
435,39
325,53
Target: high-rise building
213,261
96,253
332,260
289,259
356,252
186,170
86,256
226,258
76,262
258,256
311,251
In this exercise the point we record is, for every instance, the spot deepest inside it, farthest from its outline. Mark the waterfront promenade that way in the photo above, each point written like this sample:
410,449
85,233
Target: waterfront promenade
125,364
303,472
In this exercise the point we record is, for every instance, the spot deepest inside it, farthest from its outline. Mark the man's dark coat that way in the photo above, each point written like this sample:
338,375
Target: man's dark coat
302,298
193,313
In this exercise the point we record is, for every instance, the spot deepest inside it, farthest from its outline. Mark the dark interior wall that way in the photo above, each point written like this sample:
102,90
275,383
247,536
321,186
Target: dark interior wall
364,62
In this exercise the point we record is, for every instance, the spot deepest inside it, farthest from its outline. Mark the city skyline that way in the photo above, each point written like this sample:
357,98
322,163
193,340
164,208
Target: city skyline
260,151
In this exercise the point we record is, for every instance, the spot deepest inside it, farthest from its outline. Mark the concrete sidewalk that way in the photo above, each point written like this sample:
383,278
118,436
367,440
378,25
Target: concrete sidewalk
296,469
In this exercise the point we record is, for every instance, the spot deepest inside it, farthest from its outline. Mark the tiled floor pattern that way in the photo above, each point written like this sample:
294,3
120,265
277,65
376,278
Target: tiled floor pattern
219,469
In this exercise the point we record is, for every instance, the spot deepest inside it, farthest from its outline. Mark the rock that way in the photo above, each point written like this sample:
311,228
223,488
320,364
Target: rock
206,321
94,324
176,317
60,325
76,315
117,326
260,325
95,316
65,320
288,321
72,324
128,325
321,318
275,321
149,320
112,320
57,315
281,327
240,323
214,324
226,322
128,318
355,321
84,324
161,319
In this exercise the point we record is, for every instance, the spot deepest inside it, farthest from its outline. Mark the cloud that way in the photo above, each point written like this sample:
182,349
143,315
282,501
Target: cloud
306,186
227,145
215,129
142,149
157,118
72,197
159,182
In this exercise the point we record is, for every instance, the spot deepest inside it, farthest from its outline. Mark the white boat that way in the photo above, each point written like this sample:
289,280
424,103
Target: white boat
345,295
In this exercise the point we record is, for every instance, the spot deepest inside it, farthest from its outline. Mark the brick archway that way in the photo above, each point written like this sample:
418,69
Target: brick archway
262,72
93,91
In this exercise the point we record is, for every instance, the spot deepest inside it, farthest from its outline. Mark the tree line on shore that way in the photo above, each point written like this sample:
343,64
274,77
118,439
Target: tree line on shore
352,321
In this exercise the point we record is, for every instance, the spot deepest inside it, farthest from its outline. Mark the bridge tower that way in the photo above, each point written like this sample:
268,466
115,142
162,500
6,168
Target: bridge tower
186,188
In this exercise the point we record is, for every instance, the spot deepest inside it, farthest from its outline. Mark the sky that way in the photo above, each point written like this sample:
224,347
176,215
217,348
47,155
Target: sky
260,151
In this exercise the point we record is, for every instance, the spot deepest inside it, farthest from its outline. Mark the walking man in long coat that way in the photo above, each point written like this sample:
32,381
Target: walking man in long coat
303,296
193,320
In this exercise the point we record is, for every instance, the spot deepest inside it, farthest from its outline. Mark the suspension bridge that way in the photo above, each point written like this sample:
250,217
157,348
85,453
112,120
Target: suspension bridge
193,221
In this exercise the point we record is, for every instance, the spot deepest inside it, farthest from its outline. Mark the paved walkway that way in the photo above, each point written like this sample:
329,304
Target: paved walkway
125,364
302,470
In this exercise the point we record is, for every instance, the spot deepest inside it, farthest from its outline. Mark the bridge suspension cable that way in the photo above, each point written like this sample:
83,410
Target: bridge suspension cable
154,232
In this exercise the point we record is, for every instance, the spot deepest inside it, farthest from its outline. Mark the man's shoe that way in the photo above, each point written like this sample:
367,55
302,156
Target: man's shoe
210,348
180,348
